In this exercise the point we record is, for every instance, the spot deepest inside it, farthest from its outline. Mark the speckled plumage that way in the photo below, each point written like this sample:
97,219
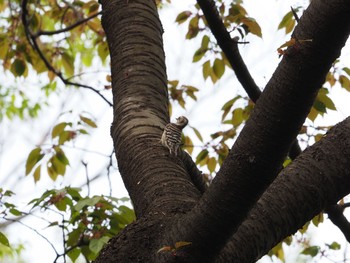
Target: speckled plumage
171,137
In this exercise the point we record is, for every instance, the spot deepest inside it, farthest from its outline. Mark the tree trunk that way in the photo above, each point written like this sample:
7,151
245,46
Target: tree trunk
168,205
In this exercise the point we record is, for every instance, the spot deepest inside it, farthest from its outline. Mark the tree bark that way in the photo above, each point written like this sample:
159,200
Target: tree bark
168,205
318,178
257,156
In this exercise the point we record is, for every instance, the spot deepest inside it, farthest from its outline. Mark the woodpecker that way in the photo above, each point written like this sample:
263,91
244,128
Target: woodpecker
171,137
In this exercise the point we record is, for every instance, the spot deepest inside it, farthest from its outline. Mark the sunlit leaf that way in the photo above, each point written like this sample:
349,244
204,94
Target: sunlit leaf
188,144
318,219
164,249
88,121
33,158
4,240
37,174
206,69
253,26
15,212
58,129
344,82
74,254
211,164
68,63
103,51
96,245
201,156
182,244
311,251
334,246
199,54
219,67
61,156
198,134
183,16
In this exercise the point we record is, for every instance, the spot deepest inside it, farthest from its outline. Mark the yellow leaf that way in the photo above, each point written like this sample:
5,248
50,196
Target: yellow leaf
211,164
163,249
182,244
36,174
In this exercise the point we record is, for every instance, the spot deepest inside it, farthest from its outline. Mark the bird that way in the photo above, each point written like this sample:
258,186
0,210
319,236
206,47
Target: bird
171,137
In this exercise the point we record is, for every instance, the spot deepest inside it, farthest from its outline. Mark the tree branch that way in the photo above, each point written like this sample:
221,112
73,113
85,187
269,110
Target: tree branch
335,214
151,175
32,39
317,178
257,156
230,47
66,29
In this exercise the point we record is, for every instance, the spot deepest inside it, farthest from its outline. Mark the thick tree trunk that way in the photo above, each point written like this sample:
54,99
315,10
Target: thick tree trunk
168,206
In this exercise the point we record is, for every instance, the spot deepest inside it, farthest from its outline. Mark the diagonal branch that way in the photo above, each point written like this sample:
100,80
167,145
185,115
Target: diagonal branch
318,178
32,39
335,214
230,47
257,156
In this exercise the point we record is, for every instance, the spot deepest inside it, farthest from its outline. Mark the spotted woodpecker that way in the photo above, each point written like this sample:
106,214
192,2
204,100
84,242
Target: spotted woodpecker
171,137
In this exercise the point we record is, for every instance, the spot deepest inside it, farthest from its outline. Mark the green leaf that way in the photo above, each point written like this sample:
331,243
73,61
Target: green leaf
57,165
219,67
317,219
61,156
313,114
211,164
74,254
253,26
286,22
206,69
173,83
325,100
87,202
183,16
18,67
103,50
66,136
4,240
199,54
227,106
127,213
201,156
312,251
33,158
15,212
320,107
4,47
96,245
58,129
344,82
193,28
198,134
51,172
334,246
188,144
205,42
237,117
68,63
88,121
346,70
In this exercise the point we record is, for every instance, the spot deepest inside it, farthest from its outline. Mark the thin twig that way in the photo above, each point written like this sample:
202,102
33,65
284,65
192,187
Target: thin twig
230,48
32,39
66,29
